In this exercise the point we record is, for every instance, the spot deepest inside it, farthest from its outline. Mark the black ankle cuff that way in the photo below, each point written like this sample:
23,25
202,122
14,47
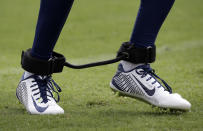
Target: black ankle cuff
42,67
137,55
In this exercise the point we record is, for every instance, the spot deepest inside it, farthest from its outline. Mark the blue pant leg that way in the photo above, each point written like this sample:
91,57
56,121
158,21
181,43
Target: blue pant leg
151,16
51,19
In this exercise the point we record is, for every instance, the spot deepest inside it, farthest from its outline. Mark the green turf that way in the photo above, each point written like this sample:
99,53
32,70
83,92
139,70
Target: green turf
95,31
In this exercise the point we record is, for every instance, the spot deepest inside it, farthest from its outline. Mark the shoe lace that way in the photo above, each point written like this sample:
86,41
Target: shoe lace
146,69
46,88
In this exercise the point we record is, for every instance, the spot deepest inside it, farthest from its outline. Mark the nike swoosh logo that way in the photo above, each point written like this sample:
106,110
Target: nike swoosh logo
38,108
148,91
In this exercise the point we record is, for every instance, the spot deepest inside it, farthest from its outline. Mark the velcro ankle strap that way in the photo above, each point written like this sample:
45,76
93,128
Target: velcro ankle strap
136,54
42,67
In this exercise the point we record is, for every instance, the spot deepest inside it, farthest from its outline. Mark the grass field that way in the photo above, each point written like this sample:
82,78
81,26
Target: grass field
94,31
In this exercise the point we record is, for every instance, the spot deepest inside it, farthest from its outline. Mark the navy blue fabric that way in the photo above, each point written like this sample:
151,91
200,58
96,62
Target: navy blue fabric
52,16
151,16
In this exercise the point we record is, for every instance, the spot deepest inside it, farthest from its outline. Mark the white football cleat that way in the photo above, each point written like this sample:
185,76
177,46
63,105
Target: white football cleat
35,93
141,82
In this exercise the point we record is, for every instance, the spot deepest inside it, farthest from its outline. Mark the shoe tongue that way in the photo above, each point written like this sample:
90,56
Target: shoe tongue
140,69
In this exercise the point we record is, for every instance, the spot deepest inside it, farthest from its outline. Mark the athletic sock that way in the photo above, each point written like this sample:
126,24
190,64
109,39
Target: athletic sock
52,16
151,16
27,74
127,66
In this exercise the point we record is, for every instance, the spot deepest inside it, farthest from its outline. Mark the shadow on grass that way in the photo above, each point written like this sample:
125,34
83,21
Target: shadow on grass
200,71
150,113
14,110
155,113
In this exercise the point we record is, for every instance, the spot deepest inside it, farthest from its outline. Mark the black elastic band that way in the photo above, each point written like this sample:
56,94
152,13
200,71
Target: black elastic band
95,63
126,52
